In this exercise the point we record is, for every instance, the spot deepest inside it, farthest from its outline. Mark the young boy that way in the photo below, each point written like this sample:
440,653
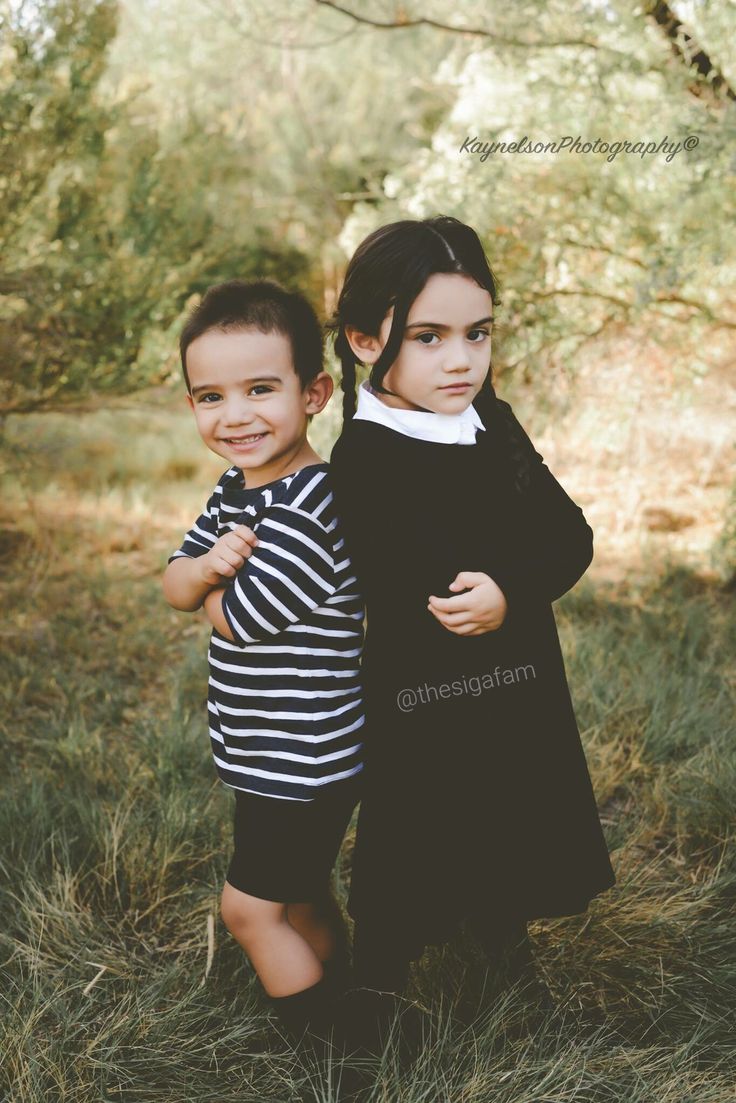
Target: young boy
266,559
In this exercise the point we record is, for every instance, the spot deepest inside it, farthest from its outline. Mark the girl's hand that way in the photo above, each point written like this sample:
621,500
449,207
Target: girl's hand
227,555
481,609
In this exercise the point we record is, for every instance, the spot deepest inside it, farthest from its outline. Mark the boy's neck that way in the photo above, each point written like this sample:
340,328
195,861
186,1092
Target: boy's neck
280,466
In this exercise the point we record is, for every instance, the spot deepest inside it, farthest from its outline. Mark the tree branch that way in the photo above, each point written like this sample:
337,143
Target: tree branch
624,304
483,32
596,247
688,50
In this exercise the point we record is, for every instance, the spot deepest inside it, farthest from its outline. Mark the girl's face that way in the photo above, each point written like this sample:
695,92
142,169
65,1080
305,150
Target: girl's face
445,354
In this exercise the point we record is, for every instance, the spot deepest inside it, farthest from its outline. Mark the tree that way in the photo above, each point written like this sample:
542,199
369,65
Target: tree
106,230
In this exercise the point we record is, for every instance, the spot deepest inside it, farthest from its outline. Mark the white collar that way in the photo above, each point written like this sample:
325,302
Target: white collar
425,425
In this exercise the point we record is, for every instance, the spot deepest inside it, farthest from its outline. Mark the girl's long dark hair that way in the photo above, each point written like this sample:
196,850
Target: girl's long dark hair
390,268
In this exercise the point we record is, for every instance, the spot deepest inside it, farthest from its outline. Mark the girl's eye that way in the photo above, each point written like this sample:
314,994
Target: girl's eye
481,335
211,396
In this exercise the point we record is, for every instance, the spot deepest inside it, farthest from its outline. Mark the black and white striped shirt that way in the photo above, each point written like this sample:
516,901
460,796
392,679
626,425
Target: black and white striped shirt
285,702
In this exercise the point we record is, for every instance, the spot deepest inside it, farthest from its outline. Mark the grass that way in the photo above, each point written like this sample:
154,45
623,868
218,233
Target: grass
115,832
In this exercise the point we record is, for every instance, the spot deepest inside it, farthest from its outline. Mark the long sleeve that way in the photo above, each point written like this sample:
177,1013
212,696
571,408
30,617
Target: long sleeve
289,573
555,547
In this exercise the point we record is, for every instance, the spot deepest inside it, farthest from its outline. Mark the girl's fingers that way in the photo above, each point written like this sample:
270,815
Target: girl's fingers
469,578
468,629
452,620
460,617
451,604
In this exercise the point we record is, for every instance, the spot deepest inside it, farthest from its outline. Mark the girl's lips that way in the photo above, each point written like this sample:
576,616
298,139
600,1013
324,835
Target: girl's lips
455,387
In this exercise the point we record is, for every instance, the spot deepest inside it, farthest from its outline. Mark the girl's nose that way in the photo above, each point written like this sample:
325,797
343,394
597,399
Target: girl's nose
458,356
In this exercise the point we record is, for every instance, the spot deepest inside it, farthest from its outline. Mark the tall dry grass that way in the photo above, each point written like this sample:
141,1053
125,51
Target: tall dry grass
119,980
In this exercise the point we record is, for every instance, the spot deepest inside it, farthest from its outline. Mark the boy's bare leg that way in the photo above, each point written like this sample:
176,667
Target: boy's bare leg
321,923
283,959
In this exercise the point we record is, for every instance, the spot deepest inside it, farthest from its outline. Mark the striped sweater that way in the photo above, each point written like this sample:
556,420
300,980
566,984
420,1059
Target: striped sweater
285,704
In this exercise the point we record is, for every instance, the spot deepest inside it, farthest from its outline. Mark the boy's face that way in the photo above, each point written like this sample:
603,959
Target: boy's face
248,401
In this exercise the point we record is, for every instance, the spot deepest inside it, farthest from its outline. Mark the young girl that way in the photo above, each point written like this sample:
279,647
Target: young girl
477,802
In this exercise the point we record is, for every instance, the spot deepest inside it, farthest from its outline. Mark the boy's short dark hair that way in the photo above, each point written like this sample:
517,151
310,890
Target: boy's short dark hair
263,305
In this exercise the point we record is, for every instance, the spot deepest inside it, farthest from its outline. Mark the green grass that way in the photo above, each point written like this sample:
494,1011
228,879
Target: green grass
115,832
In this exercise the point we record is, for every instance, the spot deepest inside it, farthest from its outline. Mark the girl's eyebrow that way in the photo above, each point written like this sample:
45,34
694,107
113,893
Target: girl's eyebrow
249,382
440,325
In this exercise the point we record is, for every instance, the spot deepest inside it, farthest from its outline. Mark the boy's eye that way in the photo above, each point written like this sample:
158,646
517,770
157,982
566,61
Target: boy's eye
211,396
261,387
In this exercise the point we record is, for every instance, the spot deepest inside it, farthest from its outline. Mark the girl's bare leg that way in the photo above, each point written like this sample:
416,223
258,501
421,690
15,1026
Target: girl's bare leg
283,959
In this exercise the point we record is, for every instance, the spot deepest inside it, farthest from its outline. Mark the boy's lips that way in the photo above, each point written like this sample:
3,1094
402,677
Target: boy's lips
244,440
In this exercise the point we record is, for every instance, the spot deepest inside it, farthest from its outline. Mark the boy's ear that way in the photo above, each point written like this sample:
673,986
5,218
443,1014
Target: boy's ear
190,401
367,349
319,392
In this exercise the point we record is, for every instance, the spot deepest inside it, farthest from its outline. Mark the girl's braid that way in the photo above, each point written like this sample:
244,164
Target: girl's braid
517,443
347,380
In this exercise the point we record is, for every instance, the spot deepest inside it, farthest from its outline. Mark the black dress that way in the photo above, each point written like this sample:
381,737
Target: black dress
476,791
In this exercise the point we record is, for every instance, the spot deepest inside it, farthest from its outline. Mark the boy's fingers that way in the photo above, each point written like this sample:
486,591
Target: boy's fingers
246,534
226,570
230,562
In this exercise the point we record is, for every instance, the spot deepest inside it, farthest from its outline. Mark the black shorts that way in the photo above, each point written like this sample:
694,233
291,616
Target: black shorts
285,849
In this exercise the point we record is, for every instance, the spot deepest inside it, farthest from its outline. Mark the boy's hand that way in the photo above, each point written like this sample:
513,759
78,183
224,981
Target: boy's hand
482,609
227,555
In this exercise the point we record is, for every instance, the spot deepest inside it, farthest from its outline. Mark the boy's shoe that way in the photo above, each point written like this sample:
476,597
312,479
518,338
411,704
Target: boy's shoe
307,1016
367,1020
313,1009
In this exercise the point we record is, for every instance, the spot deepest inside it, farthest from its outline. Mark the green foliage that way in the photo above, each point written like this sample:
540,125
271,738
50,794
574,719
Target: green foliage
106,230
152,150
586,248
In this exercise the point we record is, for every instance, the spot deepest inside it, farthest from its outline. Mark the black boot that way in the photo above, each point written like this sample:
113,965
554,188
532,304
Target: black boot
307,1016
338,972
369,1019
509,950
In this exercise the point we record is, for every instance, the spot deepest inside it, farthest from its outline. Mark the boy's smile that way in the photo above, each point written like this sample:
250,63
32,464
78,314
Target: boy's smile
249,404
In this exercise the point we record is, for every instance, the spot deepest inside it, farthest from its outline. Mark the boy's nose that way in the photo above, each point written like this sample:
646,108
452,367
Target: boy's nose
237,413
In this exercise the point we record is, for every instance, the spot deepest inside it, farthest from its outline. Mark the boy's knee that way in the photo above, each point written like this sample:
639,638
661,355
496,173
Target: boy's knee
241,913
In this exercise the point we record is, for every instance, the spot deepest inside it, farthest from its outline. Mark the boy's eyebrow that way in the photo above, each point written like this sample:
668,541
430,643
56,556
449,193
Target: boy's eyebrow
440,325
256,379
